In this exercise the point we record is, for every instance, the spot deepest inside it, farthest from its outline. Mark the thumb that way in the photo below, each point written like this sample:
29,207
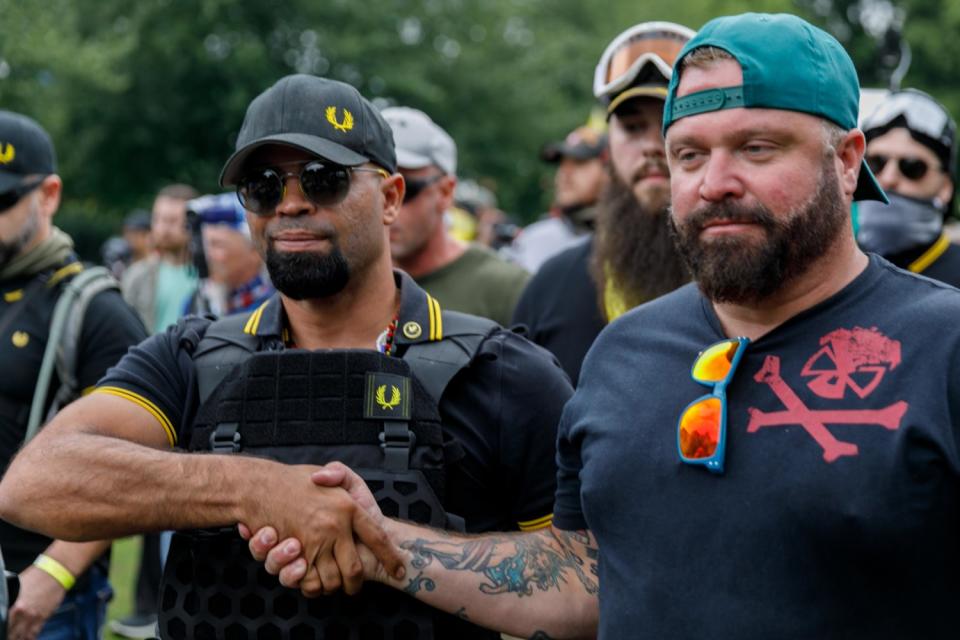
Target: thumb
333,475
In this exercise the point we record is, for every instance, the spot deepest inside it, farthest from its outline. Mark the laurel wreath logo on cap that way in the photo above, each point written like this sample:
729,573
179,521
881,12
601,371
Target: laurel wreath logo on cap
7,153
344,125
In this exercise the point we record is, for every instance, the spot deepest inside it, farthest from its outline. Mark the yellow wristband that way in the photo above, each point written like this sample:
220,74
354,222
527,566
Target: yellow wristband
55,570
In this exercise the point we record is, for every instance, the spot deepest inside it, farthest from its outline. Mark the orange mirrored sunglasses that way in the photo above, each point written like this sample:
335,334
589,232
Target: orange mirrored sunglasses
702,428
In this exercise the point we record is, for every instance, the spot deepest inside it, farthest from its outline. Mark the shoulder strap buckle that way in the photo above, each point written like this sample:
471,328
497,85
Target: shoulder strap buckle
225,438
397,441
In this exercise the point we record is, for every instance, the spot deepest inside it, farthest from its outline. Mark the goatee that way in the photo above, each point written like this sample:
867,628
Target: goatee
633,245
305,275
741,270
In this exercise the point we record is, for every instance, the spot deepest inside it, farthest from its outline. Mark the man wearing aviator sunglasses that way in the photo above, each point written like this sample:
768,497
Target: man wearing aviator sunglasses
63,585
465,278
451,415
911,148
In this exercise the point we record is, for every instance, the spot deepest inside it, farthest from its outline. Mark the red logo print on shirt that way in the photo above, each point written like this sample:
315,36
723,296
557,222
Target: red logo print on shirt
848,359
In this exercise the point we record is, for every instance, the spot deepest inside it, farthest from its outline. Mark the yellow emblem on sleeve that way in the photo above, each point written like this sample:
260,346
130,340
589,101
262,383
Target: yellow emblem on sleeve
20,339
7,153
342,125
382,397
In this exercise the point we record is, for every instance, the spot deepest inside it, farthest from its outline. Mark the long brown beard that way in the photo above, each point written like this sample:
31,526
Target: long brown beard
633,245
740,271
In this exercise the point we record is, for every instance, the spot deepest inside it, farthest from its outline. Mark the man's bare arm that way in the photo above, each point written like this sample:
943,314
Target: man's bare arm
41,593
520,583
106,474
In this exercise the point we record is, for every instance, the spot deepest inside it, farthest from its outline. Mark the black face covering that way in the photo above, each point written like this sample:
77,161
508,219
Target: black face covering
906,223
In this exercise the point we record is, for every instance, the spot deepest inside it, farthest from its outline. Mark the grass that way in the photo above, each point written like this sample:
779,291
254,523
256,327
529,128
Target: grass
124,562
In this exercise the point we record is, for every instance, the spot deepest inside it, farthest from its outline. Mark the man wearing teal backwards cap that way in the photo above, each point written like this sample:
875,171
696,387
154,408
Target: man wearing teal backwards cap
771,452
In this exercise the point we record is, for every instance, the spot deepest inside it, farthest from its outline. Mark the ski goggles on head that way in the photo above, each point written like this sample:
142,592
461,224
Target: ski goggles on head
921,113
324,184
645,50
702,427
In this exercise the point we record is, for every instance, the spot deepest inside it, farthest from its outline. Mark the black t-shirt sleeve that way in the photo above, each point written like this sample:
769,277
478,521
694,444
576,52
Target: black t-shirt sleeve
533,391
158,375
110,327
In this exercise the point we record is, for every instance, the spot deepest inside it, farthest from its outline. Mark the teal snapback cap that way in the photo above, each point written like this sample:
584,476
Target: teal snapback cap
787,64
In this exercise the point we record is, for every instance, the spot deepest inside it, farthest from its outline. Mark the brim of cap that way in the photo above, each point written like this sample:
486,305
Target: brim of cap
636,92
9,180
410,160
556,152
311,144
867,186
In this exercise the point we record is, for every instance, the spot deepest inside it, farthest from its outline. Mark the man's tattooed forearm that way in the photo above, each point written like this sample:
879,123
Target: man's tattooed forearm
419,582
514,564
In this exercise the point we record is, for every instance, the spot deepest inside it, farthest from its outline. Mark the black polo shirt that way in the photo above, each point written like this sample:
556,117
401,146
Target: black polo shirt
109,328
503,408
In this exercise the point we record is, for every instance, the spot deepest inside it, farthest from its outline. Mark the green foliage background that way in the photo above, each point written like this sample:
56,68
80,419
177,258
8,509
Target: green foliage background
137,95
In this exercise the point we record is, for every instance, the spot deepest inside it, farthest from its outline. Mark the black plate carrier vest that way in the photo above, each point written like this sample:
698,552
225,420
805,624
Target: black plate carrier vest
375,413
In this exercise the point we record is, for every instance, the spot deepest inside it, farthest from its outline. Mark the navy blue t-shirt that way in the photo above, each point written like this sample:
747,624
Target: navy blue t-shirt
837,514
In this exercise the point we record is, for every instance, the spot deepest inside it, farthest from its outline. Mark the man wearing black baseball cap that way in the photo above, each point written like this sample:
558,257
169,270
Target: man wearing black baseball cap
451,416
770,452
911,147
581,176
63,585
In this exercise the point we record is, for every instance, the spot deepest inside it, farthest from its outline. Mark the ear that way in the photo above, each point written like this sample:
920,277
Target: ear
849,159
50,191
946,191
446,188
393,188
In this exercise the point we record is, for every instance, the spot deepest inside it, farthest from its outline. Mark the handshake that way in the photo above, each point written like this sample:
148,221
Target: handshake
343,539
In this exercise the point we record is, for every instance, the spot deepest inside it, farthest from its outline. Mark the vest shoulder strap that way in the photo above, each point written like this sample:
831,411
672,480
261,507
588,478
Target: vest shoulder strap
225,345
222,348
436,363
63,342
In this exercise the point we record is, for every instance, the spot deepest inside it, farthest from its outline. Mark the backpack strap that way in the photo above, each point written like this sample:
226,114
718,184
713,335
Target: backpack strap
436,363
63,342
222,348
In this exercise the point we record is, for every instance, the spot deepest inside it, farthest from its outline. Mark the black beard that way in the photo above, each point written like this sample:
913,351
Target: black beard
306,275
739,271
634,246
13,248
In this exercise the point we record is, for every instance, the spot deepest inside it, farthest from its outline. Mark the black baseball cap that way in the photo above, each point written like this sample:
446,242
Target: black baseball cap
583,143
25,149
324,117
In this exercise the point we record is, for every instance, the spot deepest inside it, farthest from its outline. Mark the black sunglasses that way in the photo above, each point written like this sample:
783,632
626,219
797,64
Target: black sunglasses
323,184
11,197
416,185
910,168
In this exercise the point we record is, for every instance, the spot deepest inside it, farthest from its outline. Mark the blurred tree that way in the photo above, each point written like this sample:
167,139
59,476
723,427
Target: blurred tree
137,95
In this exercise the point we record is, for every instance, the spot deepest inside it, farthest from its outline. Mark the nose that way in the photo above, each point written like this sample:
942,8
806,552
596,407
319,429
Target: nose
719,179
294,202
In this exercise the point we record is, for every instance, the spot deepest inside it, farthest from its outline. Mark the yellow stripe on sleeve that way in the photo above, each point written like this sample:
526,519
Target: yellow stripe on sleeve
539,523
146,404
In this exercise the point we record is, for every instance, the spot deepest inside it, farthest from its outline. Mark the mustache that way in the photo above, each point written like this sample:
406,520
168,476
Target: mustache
731,212
650,166
315,227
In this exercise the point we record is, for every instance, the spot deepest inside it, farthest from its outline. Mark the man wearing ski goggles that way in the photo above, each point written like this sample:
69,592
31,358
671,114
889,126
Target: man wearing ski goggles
911,148
631,257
